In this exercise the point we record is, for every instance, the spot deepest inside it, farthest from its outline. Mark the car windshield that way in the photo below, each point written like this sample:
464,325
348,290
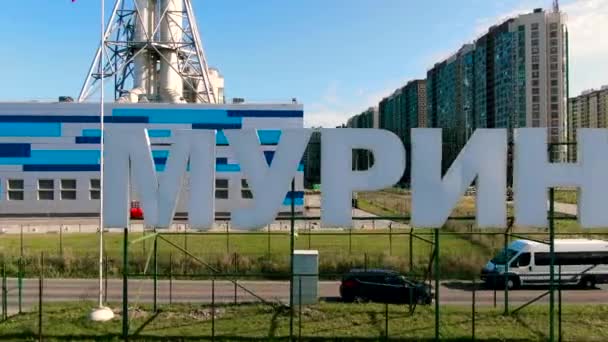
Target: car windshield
504,256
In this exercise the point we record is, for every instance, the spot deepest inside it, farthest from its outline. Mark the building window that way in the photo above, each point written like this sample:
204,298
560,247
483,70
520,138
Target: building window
553,50
68,189
553,74
535,74
554,66
553,26
95,189
221,188
535,50
536,98
535,83
553,34
534,26
554,106
535,59
553,59
534,42
535,91
15,189
46,189
554,91
245,191
554,42
554,83
535,123
535,66
535,34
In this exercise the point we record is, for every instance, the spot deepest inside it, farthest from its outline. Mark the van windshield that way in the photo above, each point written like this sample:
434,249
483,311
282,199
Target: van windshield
504,256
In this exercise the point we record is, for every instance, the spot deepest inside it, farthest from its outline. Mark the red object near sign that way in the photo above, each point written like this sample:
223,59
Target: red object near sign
136,212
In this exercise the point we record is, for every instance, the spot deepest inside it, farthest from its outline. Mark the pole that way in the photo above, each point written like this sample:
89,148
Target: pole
40,294
291,248
155,274
61,241
350,240
212,309
170,278
390,239
101,152
411,250
559,308
4,297
473,311
386,321
300,308
125,285
506,277
552,264
227,239
436,284
20,284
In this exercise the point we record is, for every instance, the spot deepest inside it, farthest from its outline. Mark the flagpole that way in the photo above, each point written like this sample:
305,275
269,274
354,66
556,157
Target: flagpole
101,313
101,150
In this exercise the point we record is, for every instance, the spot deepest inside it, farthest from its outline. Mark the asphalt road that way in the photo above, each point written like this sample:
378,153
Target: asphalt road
187,291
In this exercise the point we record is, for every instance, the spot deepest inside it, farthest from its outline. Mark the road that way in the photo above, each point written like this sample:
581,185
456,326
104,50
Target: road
188,291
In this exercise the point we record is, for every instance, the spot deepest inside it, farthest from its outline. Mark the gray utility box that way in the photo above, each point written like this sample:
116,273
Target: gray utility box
305,277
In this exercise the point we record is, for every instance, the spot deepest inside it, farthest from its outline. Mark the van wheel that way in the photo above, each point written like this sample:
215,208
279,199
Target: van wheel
587,282
512,283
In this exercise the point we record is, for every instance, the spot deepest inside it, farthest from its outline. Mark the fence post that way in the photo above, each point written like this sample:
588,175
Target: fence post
291,261
411,250
436,284
268,242
309,236
506,277
170,278
20,283
40,294
236,271
350,240
125,285
473,310
390,239
213,309
4,296
227,239
552,263
559,308
300,308
61,241
386,321
155,274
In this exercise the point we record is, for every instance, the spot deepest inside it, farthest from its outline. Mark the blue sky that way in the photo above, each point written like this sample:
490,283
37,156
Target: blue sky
337,57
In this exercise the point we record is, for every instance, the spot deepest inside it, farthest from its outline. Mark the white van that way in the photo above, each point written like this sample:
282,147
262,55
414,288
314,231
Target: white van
582,261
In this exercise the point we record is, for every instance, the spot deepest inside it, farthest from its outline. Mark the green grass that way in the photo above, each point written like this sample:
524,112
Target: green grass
263,255
566,196
326,320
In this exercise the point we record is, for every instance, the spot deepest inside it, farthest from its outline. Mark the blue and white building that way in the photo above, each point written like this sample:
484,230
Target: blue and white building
50,152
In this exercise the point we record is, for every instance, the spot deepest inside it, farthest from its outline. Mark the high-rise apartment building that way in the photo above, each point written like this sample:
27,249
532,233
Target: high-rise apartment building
588,110
368,119
403,110
512,76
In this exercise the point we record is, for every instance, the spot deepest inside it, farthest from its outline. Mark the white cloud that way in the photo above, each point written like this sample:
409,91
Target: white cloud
335,108
587,24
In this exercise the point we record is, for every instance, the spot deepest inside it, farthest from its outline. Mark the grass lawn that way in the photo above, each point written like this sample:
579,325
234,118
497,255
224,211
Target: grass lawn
566,196
325,320
262,254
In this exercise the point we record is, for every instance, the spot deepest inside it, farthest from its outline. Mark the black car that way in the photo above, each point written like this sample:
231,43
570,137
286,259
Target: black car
383,286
